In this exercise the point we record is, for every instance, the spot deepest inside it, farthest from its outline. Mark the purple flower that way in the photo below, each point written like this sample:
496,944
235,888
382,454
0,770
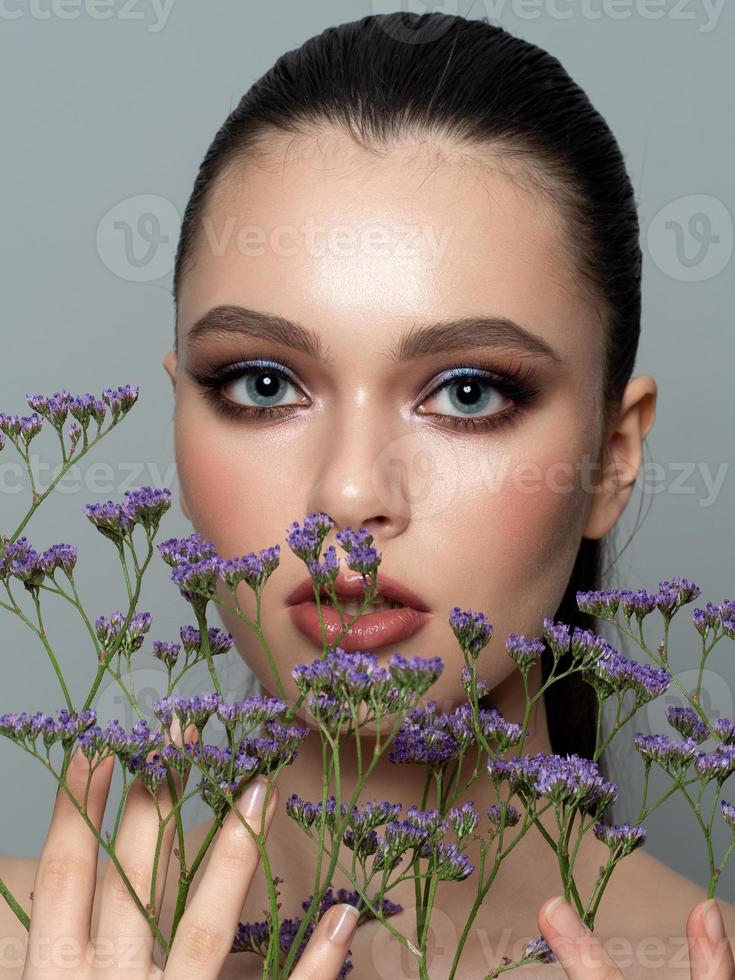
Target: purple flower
251,711
451,864
324,574
472,630
503,811
191,640
362,556
725,730
612,672
539,951
306,542
482,687
463,819
639,603
620,838
523,651
718,764
25,729
671,754
603,602
728,813
110,519
19,560
120,400
557,636
146,506
109,627
167,653
571,780
63,556
674,594
186,551
687,722
425,738
252,569
706,619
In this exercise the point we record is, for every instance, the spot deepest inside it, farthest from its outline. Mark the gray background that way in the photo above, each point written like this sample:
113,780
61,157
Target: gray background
99,113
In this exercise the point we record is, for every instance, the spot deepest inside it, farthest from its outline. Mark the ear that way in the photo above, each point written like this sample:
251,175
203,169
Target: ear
169,364
622,456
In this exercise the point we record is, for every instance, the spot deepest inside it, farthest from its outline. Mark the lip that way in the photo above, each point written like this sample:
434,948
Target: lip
353,587
372,630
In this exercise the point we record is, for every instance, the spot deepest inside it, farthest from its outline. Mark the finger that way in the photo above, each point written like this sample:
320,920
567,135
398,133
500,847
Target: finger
122,927
578,950
66,874
207,928
327,949
710,952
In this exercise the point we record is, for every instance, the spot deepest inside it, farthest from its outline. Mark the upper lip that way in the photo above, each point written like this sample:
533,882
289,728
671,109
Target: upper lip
354,588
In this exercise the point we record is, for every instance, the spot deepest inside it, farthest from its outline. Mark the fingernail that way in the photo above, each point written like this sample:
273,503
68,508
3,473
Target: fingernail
713,924
251,801
563,918
343,922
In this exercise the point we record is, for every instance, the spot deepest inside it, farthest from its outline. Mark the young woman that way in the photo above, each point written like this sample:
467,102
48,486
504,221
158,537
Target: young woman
408,296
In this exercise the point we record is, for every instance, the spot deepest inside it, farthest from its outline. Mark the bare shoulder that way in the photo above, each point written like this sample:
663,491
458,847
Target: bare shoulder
643,915
18,874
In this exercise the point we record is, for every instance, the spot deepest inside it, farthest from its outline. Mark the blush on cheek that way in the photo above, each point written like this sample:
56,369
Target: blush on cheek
535,529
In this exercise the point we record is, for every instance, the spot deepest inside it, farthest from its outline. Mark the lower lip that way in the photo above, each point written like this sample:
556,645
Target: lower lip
372,630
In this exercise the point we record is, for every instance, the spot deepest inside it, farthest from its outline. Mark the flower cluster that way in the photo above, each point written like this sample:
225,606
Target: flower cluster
24,729
673,755
421,832
471,629
110,628
687,722
336,685
669,598
20,561
620,838
253,937
570,780
196,568
191,641
428,738
612,673
144,506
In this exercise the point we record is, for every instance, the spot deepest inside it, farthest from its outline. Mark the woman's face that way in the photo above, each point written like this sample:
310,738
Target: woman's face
362,252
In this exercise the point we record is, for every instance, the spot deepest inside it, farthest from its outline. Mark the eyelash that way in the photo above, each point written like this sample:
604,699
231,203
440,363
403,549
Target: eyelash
519,386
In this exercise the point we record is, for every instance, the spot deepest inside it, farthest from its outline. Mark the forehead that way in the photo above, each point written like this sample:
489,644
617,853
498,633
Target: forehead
355,244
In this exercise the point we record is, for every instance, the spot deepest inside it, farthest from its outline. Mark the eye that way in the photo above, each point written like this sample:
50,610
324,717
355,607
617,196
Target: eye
260,386
254,389
481,398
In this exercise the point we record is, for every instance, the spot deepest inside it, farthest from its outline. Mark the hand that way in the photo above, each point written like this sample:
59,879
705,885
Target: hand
583,956
60,942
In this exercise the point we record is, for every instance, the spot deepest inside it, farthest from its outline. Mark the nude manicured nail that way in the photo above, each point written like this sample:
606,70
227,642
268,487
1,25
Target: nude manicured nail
251,801
713,921
563,918
342,923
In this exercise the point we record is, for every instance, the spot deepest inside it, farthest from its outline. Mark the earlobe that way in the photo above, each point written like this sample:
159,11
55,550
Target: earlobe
622,456
169,364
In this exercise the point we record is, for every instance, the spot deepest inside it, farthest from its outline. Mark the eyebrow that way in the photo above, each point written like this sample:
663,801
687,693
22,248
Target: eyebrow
484,332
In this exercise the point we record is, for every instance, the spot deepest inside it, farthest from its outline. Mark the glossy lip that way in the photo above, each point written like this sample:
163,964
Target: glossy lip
353,587
369,632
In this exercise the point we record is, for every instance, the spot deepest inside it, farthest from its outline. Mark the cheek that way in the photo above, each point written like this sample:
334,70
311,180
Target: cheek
237,496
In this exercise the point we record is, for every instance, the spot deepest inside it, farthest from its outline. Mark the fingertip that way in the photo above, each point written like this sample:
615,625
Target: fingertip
342,924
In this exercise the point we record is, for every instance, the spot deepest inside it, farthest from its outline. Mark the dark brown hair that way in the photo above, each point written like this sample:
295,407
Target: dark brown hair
382,76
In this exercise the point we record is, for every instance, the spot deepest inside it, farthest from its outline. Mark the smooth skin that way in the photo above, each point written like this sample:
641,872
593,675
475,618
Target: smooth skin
495,545
62,941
